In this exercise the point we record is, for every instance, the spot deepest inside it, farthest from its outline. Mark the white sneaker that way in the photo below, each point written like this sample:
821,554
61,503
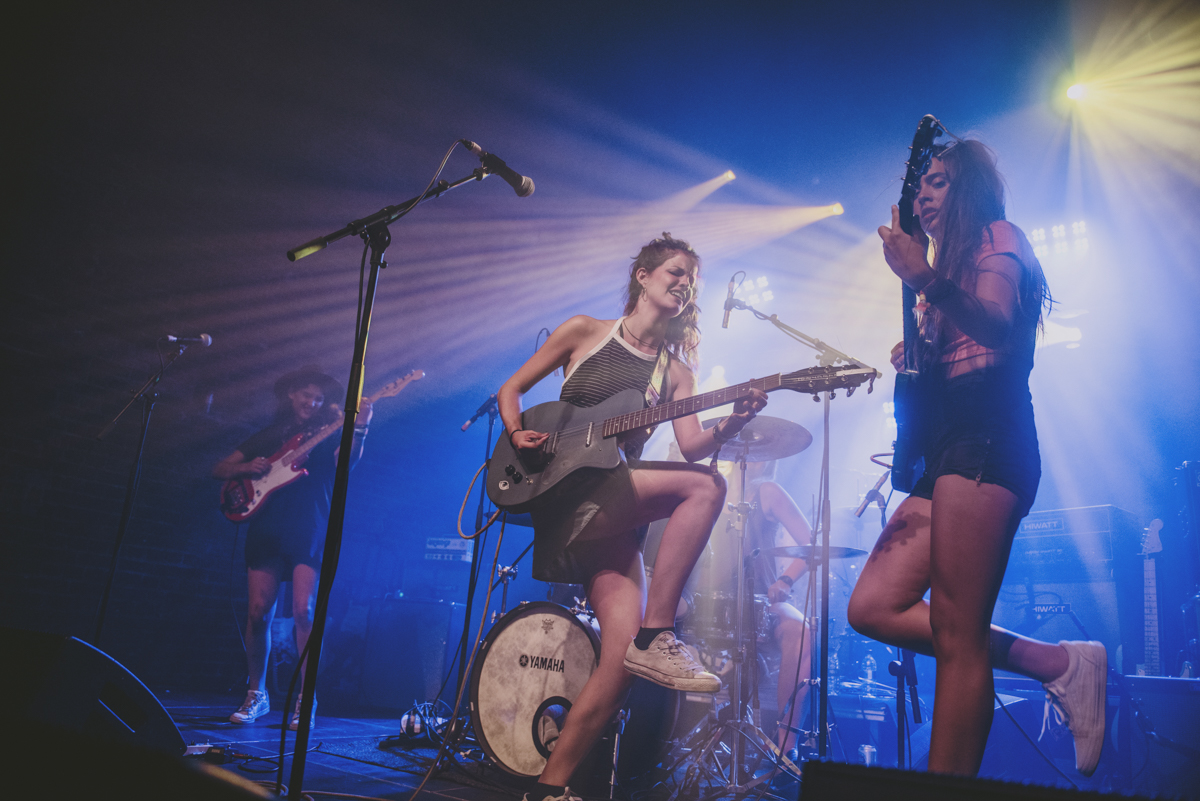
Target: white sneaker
1077,698
668,662
312,722
566,796
254,707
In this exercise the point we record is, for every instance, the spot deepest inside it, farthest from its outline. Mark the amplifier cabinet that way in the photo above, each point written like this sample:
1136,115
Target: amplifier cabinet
1076,570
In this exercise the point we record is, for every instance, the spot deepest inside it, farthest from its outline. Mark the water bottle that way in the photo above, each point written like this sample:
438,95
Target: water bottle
870,666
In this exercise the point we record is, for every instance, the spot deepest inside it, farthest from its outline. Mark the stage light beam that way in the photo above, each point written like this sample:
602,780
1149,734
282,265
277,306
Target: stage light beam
1077,91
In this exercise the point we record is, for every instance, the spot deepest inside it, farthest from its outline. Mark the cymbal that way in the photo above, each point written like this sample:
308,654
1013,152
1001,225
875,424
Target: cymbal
764,439
811,552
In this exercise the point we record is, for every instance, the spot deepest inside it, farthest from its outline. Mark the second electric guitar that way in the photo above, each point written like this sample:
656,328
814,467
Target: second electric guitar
242,497
588,437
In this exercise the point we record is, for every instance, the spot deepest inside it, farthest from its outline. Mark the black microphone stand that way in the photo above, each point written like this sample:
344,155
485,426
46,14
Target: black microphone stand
457,722
373,229
905,671
148,400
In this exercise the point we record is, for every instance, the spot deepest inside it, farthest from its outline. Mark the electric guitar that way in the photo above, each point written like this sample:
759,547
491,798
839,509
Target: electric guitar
242,497
1151,544
909,405
588,437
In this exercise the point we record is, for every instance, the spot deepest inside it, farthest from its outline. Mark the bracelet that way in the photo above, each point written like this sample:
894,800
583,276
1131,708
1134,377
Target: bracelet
510,436
939,289
719,437
785,578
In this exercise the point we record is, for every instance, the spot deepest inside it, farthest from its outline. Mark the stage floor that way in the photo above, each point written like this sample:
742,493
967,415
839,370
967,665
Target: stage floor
359,756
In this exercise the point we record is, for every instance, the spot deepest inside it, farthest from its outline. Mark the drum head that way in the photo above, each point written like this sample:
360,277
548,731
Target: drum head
530,669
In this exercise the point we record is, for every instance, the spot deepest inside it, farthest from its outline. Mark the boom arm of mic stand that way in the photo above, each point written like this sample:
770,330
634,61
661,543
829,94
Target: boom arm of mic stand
828,354
385,216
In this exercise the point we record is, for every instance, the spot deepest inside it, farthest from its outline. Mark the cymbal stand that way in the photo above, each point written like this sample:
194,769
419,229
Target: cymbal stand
730,733
827,355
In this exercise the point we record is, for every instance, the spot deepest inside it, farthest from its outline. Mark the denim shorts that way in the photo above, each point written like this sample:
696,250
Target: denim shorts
983,429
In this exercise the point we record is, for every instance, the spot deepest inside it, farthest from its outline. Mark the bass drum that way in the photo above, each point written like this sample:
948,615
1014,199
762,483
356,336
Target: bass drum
530,669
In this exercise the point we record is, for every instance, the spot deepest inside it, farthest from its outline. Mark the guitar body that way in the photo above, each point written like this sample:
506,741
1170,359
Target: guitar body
908,461
241,498
514,481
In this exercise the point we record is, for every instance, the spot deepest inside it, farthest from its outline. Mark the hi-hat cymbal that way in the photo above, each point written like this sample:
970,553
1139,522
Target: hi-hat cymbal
764,439
811,552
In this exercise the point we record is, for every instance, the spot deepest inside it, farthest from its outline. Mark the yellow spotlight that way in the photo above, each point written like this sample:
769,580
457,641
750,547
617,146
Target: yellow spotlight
836,208
728,175
1077,91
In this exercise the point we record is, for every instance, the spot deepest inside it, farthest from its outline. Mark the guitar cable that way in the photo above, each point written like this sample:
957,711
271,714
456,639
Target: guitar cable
463,508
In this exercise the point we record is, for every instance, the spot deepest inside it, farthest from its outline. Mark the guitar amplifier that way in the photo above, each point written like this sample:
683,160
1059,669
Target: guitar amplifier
1073,571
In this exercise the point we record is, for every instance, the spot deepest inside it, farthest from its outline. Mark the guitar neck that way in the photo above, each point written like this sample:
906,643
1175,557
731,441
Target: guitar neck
323,433
653,415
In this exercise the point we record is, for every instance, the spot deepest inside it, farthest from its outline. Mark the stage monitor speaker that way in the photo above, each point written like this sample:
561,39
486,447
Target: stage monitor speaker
834,781
67,684
410,647
1077,570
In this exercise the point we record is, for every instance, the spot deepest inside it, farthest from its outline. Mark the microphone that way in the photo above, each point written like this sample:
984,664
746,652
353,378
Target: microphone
873,495
487,407
203,339
521,184
728,304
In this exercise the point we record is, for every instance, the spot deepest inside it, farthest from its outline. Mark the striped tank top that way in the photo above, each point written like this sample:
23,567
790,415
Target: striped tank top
611,367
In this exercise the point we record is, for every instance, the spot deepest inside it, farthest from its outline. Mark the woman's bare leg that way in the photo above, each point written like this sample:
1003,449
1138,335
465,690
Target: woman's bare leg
972,529
262,592
888,605
304,596
616,593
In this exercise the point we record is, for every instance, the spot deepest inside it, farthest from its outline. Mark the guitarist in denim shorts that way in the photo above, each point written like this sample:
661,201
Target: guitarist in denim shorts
983,299
590,530
286,537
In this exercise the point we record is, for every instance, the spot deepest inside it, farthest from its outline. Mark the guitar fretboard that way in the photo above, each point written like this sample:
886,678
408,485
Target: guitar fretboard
653,415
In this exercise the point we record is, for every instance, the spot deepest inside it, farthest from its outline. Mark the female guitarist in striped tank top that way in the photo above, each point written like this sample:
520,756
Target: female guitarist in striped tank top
589,531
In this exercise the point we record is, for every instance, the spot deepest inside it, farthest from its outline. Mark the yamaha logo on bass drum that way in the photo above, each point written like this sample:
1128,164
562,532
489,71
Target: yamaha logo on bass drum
543,663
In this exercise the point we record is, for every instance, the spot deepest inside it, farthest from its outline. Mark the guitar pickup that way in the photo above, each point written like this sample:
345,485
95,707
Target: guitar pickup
588,442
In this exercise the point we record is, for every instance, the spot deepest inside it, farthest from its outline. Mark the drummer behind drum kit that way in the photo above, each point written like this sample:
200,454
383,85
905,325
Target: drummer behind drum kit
537,658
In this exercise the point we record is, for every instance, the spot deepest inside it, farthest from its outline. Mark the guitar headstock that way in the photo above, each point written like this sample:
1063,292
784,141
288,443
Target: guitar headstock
814,380
1151,542
919,158
394,388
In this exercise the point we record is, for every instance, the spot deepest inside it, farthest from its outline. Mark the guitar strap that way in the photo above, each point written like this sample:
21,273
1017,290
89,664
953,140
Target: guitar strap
654,393
658,378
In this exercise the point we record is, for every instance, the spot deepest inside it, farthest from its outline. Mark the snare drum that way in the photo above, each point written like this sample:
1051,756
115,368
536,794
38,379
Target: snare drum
530,669
712,620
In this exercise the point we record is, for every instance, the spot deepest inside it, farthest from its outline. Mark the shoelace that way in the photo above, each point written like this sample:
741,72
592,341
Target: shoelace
1060,717
678,654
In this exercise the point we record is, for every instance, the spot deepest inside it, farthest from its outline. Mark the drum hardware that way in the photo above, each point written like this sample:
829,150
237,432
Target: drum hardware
905,671
764,439
732,729
811,553
827,356
505,575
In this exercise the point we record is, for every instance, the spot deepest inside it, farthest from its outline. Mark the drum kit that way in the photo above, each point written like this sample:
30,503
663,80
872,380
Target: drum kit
537,658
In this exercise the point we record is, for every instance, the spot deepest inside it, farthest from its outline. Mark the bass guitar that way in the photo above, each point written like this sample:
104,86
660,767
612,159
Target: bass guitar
242,497
588,437
910,384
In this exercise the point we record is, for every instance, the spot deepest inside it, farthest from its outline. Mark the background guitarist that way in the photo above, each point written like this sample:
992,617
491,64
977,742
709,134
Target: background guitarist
286,537
985,294
590,530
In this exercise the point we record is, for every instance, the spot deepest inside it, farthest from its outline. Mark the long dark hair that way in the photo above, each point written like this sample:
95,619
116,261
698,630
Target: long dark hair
975,200
683,331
